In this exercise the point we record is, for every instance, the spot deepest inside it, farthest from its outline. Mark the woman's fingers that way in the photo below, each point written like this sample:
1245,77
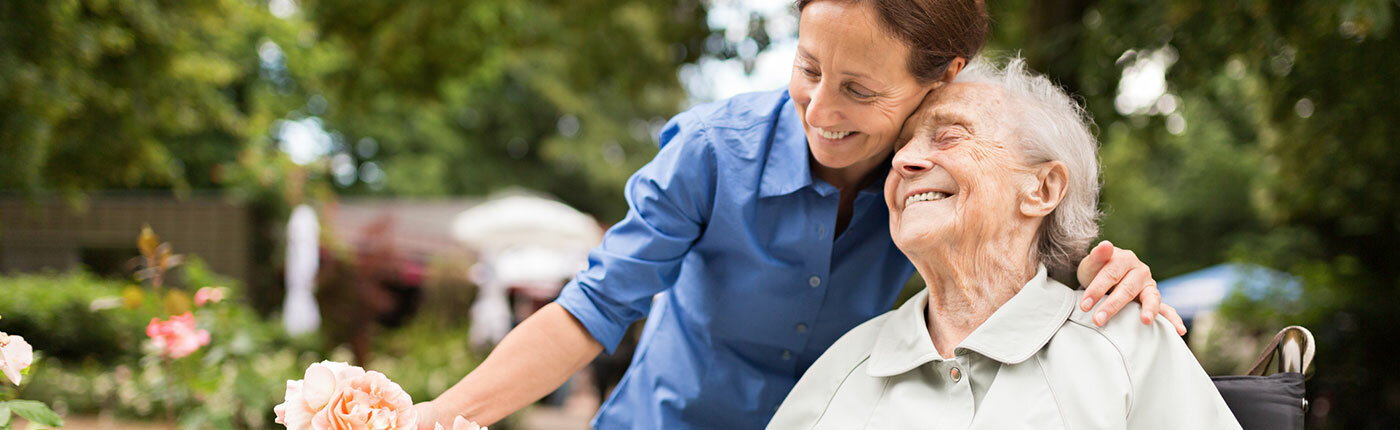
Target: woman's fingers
1101,270
1092,263
1127,289
1151,300
1170,312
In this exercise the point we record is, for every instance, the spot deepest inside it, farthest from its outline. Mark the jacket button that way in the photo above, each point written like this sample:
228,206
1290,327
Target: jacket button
814,281
801,328
955,374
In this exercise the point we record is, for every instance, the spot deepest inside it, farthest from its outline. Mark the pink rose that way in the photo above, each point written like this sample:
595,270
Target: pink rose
15,356
335,396
208,295
177,337
460,424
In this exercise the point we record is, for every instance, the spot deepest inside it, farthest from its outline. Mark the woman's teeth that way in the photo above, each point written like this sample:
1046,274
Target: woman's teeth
833,135
924,197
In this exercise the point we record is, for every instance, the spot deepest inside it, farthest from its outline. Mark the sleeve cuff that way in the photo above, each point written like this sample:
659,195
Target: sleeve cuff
585,307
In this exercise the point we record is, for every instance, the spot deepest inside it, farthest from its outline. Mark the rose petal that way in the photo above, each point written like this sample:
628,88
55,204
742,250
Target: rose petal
319,385
15,356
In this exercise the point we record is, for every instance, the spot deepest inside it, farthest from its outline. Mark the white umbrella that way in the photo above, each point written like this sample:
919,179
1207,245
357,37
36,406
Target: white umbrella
522,239
517,221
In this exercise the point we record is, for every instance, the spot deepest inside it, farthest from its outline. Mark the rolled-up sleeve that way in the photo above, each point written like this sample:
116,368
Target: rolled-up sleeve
669,202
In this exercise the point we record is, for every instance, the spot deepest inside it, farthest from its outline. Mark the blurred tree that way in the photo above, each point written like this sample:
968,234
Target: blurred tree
1273,142
133,94
458,97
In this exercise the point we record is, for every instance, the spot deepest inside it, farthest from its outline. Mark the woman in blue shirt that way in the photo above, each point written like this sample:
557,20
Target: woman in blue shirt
762,221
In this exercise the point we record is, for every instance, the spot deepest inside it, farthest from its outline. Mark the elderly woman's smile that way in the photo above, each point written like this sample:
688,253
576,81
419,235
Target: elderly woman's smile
954,180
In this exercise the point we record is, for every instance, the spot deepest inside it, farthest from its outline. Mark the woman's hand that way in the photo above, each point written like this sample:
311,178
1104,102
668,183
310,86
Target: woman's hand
428,414
1118,273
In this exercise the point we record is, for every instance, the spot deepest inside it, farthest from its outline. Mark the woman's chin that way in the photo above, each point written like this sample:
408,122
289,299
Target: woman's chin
915,237
839,155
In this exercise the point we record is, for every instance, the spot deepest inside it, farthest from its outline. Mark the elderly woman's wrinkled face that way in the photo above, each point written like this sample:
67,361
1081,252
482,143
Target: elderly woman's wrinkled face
851,84
958,177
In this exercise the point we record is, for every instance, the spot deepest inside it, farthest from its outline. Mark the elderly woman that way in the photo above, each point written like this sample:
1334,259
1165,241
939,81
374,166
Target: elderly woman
997,186
757,236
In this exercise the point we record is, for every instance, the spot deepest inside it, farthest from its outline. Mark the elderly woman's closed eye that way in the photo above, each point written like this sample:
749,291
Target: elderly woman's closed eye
994,188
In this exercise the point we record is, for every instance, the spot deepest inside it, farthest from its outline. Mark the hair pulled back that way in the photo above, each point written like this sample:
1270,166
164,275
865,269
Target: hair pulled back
936,31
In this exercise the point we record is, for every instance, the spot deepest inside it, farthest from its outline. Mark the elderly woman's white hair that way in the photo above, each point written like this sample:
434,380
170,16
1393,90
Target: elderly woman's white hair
1052,126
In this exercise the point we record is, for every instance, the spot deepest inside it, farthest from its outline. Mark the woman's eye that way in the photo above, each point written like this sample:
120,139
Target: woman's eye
811,73
858,92
948,138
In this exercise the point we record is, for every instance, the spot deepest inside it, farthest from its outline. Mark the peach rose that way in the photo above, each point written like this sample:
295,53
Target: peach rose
208,295
461,424
177,337
335,396
15,356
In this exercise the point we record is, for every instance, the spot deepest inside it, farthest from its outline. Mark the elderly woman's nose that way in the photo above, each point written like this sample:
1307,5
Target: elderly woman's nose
908,163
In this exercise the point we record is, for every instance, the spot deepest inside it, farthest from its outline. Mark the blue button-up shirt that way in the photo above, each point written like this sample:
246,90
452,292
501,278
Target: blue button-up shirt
731,228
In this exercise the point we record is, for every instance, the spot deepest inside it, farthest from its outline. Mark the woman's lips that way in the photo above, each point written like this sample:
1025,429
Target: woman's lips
833,135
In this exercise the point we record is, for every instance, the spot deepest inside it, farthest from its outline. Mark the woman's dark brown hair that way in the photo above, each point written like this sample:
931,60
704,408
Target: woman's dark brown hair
936,31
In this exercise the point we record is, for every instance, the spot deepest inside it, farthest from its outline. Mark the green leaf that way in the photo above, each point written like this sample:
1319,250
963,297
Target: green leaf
4,416
36,412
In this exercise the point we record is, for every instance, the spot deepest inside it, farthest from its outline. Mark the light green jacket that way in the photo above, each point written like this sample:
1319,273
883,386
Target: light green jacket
1037,362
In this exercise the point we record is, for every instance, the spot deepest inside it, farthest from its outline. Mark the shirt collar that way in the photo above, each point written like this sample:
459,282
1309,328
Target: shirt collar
787,168
1017,330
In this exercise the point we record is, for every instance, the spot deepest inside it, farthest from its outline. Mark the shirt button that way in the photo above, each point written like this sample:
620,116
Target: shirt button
801,328
955,374
787,355
814,281
821,231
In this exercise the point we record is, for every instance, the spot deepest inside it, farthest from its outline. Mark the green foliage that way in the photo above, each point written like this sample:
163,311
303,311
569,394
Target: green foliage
94,361
35,412
54,314
132,94
454,97
470,97
76,316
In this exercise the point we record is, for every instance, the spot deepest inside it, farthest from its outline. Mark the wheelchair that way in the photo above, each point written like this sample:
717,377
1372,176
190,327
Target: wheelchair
1271,394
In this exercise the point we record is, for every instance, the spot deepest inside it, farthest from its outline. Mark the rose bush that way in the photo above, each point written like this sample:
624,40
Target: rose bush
208,295
178,336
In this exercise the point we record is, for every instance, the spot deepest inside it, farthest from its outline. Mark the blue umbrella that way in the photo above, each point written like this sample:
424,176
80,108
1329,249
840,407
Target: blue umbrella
1205,289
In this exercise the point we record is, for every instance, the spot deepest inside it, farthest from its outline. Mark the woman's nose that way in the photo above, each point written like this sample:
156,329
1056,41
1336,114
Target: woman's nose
821,109
908,161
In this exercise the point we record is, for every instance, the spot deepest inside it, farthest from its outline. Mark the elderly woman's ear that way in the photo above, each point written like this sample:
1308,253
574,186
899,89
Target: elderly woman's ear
1048,189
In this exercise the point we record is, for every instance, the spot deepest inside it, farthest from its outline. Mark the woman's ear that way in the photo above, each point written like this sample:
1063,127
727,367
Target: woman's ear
1051,184
954,67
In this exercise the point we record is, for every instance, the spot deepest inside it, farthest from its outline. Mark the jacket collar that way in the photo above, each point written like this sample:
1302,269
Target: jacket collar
787,168
1017,330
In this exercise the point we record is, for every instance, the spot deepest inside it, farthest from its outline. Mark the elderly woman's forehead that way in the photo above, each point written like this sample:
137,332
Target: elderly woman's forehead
976,94
963,102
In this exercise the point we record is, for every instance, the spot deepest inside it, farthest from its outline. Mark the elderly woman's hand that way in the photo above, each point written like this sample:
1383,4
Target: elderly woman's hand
1119,273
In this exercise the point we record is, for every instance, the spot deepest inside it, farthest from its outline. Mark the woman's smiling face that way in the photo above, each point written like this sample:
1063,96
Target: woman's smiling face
852,86
958,181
